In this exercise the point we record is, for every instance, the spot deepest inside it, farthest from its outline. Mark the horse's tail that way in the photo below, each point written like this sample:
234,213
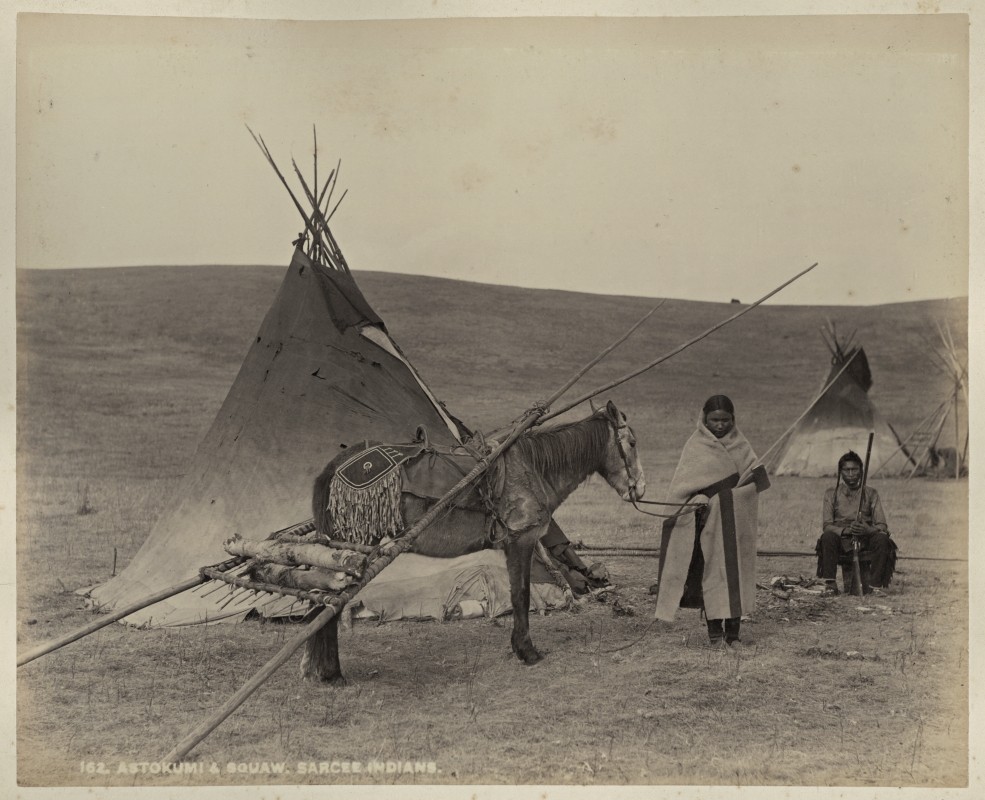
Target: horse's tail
319,500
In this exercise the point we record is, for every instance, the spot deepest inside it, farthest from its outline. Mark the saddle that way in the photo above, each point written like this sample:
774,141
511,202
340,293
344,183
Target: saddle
365,492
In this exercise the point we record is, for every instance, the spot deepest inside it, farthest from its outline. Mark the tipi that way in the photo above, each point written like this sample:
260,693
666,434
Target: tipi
839,419
938,446
322,373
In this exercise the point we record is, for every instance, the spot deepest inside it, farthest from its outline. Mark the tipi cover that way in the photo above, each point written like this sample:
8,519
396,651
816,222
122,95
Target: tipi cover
322,373
840,419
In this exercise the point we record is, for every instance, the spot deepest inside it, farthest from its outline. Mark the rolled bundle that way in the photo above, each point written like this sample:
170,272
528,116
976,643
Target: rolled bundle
293,554
320,538
302,577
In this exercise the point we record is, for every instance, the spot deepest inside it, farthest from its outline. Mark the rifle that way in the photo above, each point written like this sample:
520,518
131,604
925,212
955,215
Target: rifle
856,567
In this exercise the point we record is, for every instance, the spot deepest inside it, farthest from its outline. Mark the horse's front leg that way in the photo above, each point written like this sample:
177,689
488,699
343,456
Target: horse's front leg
519,552
320,660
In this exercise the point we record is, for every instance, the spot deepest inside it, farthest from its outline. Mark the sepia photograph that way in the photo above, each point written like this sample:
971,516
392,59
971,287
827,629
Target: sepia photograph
449,401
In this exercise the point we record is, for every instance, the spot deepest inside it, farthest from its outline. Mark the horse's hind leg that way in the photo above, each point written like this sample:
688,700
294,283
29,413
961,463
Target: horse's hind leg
320,660
518,555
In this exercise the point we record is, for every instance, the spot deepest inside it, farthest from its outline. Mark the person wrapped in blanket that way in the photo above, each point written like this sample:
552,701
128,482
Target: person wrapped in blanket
849,510
708,550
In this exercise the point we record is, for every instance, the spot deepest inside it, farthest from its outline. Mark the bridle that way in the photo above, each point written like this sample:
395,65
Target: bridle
619,425
682,508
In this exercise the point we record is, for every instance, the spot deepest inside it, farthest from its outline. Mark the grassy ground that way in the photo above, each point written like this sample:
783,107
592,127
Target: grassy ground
120,374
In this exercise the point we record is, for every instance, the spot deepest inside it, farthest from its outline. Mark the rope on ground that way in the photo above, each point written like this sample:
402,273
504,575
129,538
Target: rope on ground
654,552
637,640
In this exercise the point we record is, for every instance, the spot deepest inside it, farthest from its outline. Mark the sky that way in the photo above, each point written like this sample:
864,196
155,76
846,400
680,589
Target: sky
706,158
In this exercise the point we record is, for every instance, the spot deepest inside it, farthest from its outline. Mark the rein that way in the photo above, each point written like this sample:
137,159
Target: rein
682,508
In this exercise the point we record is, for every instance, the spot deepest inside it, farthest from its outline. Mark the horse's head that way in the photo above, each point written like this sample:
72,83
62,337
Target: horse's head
622,469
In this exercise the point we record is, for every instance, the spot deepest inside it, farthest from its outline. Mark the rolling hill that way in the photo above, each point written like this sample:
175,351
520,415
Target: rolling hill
124,355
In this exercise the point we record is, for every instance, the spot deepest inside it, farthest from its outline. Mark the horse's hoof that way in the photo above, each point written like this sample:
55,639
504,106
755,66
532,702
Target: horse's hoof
531,657
327,680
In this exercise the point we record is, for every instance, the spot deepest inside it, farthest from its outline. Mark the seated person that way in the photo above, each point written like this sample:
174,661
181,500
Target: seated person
841,522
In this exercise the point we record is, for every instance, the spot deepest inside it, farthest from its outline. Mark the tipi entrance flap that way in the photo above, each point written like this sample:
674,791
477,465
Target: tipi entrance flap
381,339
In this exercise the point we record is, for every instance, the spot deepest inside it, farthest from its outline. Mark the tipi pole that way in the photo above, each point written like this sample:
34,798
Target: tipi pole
675,351
263,147
186,745
331,609
957,434
807,411
102,622
577,376
902,445
314,180
326,189
945,412
387,555
316,215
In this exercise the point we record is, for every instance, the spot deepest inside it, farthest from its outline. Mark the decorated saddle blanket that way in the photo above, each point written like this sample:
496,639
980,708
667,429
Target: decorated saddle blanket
369,467
365,492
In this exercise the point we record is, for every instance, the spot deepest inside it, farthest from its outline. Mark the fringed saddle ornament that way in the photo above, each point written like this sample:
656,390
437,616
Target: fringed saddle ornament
364,498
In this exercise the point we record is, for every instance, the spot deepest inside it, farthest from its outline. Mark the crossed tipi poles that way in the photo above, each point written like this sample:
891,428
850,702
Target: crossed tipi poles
923,446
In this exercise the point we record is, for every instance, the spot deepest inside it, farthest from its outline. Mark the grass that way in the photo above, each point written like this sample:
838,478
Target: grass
617,700
120,374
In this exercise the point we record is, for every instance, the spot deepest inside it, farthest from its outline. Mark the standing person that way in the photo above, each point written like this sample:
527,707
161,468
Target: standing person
708,556
848,511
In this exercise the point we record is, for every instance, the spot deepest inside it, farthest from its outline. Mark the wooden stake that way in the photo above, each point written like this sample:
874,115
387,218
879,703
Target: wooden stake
235,591
250,594
214,589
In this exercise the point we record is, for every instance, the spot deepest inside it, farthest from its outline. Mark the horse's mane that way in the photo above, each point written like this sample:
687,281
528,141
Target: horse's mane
569,448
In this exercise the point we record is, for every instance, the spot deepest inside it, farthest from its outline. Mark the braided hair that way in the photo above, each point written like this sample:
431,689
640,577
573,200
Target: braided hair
851,455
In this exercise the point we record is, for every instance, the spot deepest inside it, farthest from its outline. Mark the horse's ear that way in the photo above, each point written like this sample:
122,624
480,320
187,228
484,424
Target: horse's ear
591,405
612,411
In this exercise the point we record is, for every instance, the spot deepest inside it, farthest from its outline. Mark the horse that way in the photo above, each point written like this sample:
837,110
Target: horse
524,488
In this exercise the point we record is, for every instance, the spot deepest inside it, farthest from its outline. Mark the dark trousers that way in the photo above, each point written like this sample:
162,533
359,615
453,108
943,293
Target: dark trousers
878,548
727,629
